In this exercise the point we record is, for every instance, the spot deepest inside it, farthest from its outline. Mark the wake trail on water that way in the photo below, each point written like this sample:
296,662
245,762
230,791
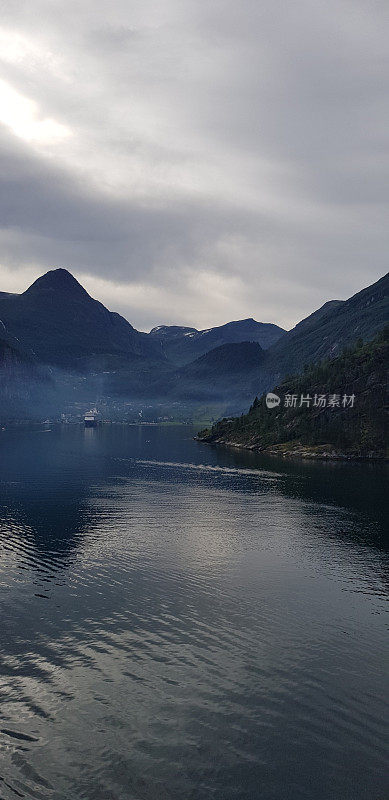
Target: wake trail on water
202,467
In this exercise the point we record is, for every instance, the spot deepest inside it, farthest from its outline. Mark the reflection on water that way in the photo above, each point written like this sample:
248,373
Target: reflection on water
180,621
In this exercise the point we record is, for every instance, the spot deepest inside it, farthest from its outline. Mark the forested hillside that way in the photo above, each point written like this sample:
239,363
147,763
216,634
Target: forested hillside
337,406
326,332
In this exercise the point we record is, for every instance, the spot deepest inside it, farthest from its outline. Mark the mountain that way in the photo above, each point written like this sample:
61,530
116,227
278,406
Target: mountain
322,335
58,322
326,332
9,354
166,333
354,424
218,375
57,333
182,345
24,386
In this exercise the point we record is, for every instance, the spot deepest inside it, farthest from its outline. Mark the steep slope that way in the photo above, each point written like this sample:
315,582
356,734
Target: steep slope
9,354
355,424
327,331
183,345
324,334
58,322
24,385
225,373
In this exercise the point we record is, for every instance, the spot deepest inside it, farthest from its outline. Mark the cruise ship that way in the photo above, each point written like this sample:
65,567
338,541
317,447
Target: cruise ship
91,418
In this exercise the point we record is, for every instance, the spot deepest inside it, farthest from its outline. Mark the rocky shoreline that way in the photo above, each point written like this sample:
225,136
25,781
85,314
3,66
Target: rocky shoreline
324,452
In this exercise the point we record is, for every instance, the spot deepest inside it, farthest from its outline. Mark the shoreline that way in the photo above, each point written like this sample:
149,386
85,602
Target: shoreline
301,452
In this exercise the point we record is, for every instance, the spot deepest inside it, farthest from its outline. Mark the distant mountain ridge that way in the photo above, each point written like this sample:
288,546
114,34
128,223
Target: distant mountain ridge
219,374
182,345
169,332
324,334
86,328
56,329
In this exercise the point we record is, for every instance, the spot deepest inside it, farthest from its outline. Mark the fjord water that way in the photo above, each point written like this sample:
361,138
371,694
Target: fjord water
180,621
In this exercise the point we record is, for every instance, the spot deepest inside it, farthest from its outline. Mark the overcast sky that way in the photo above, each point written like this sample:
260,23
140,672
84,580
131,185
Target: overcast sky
196,161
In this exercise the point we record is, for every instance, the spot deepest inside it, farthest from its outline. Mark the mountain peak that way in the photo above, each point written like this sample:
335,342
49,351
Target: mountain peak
56,280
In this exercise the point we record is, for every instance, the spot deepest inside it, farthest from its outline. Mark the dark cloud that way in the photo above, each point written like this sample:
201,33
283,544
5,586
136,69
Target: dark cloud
193,161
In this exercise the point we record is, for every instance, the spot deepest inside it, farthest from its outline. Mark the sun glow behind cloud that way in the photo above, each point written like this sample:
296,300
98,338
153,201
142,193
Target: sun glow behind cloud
22,116
18,50
193,160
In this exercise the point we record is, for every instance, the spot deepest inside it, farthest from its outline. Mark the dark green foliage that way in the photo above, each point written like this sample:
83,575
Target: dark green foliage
361,430
326,332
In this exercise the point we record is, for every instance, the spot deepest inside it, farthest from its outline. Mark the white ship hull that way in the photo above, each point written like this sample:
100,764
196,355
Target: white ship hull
91,419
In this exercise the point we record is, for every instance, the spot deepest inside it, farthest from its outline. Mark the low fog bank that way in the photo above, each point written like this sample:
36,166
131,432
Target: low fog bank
30,393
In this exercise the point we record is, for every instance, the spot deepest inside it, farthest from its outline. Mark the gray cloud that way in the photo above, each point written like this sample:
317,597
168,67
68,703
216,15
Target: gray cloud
196,162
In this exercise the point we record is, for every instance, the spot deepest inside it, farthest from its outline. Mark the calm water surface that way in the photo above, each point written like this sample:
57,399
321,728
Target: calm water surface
184,622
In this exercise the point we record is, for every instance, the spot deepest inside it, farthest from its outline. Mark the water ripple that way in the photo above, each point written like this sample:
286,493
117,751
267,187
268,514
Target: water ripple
182,629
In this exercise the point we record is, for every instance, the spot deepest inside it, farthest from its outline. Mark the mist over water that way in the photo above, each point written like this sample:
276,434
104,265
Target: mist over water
180,621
